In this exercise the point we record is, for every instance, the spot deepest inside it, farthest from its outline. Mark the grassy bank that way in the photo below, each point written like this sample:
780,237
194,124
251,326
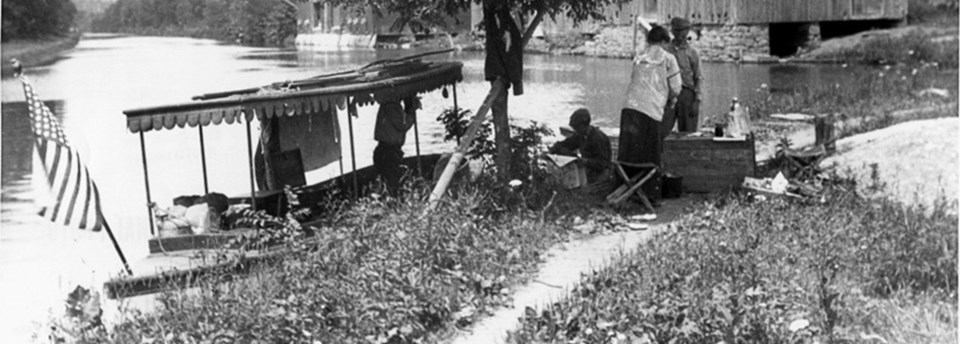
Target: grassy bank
375,272
913,45
35,52
875,99
740,270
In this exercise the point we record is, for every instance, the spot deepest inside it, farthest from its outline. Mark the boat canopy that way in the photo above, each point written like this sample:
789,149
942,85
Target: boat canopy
364,86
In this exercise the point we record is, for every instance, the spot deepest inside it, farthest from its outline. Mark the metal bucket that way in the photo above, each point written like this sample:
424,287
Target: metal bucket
672,186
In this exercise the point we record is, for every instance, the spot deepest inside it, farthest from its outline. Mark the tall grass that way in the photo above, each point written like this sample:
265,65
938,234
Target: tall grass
739,270
871,92
877,98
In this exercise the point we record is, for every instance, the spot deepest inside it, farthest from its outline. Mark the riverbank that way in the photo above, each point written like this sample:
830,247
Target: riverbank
903,45
32,53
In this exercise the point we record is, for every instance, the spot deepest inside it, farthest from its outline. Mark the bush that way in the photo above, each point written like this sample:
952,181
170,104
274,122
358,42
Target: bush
30,19
932,11
775,271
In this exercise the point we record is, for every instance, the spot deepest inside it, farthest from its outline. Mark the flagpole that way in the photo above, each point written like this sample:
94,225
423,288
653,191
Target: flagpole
116,246
53,133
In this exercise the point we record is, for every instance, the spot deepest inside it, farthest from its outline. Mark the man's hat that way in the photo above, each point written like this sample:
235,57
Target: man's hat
678,23
580,117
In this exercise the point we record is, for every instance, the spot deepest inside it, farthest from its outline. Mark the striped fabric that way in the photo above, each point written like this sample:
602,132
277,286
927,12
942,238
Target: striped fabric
75,199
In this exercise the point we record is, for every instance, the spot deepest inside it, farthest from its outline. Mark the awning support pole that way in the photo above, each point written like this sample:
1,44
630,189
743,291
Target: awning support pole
416,141
352,111
339,137
253,196
203,161
456,108
146,182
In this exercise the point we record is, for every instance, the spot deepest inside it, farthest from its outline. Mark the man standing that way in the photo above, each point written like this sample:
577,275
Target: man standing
686,113
393,121
591,143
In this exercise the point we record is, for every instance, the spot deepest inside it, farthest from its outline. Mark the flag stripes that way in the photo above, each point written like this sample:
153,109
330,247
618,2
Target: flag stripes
68,180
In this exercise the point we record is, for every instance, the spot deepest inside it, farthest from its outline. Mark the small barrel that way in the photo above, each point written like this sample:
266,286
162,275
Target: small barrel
823,126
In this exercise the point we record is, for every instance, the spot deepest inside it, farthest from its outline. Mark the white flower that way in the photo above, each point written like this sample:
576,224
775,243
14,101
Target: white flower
515,183
798,325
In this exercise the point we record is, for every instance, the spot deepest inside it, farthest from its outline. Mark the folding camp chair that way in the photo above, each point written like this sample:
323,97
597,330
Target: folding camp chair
632,184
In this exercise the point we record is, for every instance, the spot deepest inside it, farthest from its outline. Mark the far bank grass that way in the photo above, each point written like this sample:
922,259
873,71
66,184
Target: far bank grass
876,98
35,52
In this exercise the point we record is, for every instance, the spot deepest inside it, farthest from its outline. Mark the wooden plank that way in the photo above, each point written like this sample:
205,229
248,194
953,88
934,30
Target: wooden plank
216,240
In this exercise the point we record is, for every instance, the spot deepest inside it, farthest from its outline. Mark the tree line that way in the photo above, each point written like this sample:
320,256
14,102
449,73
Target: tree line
248,22
30,19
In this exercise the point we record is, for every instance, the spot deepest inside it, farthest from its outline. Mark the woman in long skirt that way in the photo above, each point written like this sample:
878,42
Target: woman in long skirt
654,80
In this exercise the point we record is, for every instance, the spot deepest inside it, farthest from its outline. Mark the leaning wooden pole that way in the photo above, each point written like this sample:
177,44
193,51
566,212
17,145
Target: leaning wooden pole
464,145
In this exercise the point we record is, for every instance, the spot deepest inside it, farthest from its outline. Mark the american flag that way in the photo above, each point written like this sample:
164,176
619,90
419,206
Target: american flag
75,199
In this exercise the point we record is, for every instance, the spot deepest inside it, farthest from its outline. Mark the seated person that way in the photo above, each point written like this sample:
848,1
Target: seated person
589,143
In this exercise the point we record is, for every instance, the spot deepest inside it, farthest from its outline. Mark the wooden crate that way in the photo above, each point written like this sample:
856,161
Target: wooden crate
706,165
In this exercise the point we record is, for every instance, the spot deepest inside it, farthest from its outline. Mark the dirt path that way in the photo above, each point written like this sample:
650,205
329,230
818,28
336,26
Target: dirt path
564,265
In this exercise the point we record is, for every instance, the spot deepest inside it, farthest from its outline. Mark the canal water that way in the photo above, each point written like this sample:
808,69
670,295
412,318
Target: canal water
91,85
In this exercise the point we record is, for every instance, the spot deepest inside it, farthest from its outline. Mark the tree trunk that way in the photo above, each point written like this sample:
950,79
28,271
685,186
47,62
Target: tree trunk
501,119
501,128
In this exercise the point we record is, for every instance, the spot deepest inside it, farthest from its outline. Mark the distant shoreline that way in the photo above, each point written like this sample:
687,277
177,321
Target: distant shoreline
32,53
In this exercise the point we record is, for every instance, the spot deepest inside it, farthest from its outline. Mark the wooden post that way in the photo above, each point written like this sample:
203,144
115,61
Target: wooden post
416,139
253,190
456,107
498,86
146,182
203,161
352,111
824,132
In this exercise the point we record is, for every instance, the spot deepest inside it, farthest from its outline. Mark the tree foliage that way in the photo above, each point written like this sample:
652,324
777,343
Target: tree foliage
250,22
423,10
27,19
525,15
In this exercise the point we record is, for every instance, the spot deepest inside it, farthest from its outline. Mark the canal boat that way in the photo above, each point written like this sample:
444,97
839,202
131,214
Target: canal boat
305,116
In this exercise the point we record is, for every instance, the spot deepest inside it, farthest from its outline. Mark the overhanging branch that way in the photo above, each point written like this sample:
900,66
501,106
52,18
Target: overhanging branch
528,33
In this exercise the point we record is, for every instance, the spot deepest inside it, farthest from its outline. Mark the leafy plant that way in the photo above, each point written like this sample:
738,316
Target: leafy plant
273,230
778,271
